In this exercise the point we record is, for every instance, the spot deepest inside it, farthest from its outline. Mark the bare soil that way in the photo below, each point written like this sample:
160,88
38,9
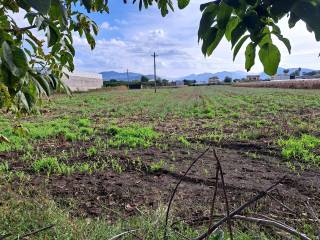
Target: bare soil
110,195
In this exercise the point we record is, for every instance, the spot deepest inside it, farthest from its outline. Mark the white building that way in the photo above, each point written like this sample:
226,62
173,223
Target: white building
84,81
179,83
213,80
253,78
280,77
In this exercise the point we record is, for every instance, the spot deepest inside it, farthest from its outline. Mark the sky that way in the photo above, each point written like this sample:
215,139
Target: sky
128,38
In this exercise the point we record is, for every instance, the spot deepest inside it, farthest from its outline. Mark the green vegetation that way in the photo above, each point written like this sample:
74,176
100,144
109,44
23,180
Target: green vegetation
117,146
20,136
301,149
184,141
22,214
156,166
51,165
22,52
132,136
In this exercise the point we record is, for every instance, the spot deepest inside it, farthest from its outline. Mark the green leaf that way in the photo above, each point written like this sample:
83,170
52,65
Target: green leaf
239,45
41,6
15,59
223,16
280,7
250,54
207,19
183,3
216,42
87,4
252,21
309,12
23,4
30,16
233,22
59,11
233,3
293,20
208,39
21,100
237,32
285,41
53,35
43,83
270,57
251,2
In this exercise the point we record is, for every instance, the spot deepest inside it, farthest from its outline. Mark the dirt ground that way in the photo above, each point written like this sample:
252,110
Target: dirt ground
111,195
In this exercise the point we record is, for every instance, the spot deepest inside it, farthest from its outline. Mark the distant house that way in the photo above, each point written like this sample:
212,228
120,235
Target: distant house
279,77
253,78
213,81
179,83
135,85
81,82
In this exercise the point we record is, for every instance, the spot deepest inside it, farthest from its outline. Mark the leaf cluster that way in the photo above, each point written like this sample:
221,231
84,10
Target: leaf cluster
255,22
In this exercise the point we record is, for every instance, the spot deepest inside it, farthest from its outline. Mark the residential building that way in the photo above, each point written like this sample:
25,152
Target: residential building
280,77
253,78
79,82
213,81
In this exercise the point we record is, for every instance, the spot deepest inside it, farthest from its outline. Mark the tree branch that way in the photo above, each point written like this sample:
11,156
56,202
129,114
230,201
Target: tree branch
23,29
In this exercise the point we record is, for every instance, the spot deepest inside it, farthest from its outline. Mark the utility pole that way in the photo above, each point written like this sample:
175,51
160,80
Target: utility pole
128,77
155,71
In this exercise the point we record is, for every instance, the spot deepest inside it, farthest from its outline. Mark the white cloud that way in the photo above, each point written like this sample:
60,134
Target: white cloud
174,38
121,21
107,26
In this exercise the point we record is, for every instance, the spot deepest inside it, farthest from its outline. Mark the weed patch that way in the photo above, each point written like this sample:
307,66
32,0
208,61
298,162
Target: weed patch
132,136
184,141
51,165
303,149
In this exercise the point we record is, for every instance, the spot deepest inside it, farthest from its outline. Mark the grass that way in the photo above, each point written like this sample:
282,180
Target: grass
294,84
111,130
132,136
302,149
21,135
156,166
26,212
51,165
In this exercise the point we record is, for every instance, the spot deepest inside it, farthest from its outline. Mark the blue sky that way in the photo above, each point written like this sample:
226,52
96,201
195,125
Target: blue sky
128,37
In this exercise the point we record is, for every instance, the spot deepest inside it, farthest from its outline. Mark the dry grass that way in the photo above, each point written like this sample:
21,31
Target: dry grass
294,84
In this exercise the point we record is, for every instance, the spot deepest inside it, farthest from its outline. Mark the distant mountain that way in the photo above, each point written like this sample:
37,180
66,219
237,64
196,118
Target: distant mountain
202,77
108,75
120,76
292,70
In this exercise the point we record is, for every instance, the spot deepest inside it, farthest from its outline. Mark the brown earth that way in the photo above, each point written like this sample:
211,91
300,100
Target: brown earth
111,194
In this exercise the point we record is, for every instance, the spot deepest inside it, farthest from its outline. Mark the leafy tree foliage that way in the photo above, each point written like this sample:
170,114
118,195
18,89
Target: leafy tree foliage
256,22
227,79
34,58
144,79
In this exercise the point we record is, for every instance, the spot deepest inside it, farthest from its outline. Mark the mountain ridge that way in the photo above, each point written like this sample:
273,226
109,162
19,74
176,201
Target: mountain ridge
200,77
